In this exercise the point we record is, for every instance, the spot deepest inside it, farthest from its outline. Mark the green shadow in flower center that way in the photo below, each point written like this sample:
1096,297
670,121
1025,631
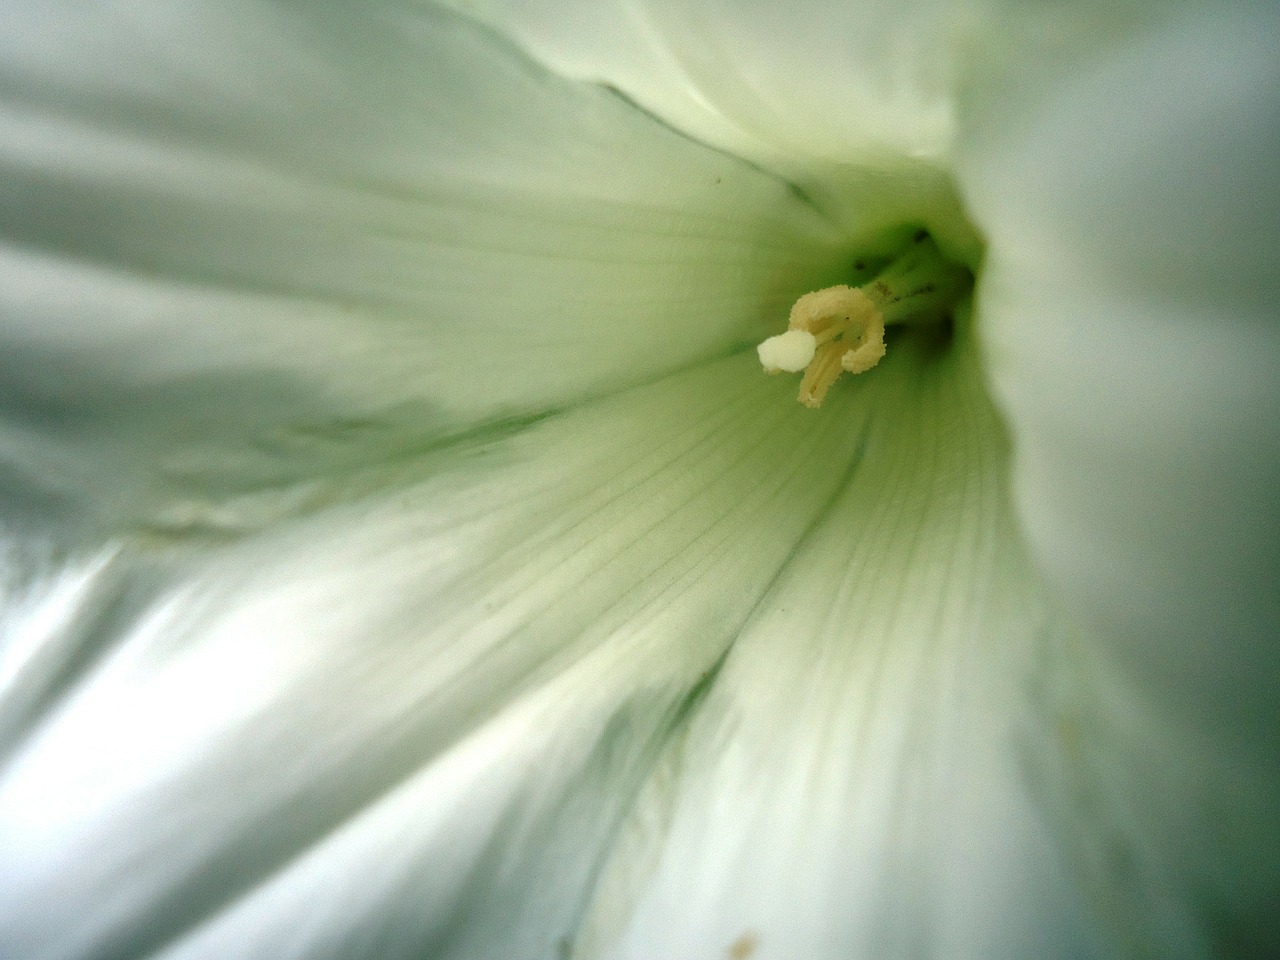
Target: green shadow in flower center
842,328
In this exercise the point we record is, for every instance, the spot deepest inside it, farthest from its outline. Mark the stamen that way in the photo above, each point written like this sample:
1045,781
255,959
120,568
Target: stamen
821,374
842,328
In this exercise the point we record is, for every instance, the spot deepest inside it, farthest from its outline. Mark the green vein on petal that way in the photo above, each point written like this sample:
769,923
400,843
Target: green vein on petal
850,784
203,273
588,570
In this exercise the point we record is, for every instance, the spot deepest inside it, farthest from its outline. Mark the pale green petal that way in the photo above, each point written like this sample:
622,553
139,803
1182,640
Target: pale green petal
853,101
244,246
1129,311
851,786
842,81
404,727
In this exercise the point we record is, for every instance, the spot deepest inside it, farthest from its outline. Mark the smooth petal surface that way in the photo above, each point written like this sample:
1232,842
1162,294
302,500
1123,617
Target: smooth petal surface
406,726
1129,310
854,102
848,788
247,247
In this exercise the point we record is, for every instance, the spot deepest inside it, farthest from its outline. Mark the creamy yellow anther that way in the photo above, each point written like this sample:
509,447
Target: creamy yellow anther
842,328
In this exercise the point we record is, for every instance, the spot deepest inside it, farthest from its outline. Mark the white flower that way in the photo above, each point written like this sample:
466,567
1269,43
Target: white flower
406,558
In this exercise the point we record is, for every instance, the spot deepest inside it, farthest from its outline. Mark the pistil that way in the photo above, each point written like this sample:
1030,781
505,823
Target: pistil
842,328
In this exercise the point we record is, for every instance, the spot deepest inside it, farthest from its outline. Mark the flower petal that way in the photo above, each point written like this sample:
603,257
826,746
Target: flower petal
1128,307
851,785
852,101
243,246
406,726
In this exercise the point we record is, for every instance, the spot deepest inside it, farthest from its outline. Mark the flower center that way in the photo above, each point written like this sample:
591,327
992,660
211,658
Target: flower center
842,328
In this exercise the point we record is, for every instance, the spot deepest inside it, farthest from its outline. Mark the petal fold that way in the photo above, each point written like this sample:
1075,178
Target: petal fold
854,102
851,785
1127,184
247,248
410,724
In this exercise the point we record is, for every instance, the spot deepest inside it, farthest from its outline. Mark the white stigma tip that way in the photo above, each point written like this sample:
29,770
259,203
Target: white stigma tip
791,351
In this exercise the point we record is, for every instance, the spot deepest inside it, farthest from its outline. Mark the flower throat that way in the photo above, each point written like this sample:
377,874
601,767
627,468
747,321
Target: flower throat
842,328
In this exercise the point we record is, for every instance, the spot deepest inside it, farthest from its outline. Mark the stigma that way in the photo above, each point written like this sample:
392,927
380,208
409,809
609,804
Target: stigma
841,329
